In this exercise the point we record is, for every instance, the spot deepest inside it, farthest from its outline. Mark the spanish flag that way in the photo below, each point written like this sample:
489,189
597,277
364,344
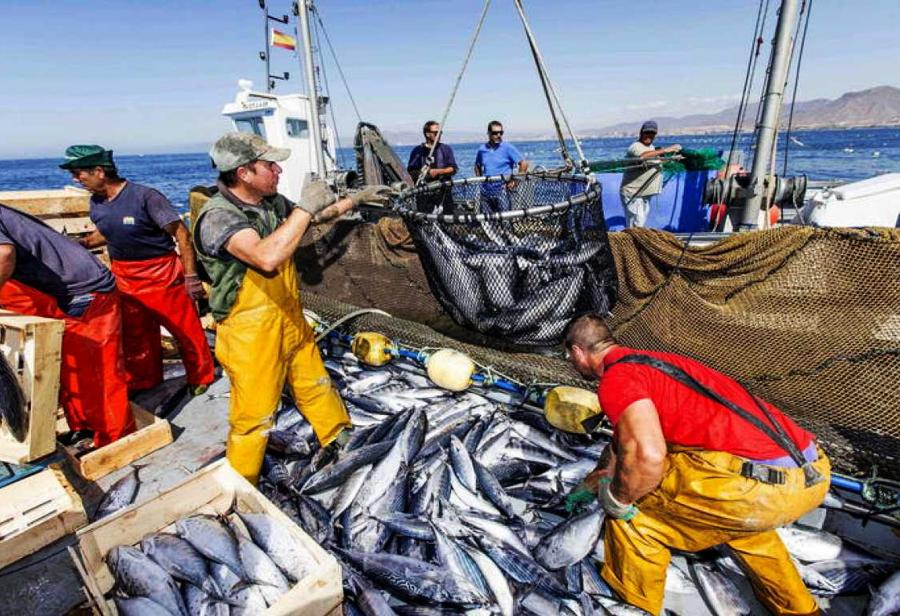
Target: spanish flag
285,41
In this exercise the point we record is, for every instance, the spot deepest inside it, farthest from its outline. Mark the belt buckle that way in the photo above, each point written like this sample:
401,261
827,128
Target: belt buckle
776,476
747,469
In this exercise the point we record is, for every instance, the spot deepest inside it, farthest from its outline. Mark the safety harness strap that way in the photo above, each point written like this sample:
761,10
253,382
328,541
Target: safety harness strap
775,431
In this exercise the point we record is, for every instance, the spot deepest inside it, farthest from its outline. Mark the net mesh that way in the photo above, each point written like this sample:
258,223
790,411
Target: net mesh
808,319
514,259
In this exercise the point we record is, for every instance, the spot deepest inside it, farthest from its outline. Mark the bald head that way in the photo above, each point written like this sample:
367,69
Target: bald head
589,332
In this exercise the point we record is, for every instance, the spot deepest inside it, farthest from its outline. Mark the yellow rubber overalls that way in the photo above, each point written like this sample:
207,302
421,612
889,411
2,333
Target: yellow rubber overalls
263,342
703,501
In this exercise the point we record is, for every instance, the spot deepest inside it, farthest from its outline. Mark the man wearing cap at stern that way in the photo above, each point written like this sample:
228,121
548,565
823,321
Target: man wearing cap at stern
44,273
695,461
141,229
246,236
642,180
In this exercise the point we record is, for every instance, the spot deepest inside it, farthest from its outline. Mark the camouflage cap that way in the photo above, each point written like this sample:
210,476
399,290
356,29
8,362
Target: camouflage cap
87,157
234,150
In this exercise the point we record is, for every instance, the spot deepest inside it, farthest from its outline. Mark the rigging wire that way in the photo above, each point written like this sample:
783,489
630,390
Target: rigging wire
755,46
548,86
807,6
423,174
337,139
336,62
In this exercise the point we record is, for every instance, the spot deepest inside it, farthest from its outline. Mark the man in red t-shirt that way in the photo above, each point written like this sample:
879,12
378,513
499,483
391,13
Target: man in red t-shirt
697,461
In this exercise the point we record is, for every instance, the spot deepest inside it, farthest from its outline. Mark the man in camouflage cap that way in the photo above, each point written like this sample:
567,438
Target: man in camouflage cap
246,237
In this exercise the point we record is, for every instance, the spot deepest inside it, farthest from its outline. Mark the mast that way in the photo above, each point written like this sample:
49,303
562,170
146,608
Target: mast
315,126
265,54
773,97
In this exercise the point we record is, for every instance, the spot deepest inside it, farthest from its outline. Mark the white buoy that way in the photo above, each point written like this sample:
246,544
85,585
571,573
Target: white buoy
450,369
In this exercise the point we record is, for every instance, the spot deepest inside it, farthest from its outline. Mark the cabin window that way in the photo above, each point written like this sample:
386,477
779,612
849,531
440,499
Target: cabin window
251,125
299,129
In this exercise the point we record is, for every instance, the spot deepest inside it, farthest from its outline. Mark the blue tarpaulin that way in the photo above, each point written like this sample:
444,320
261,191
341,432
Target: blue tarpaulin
678,208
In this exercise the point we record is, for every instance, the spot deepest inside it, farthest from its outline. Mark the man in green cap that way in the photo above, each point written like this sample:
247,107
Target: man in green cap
246,237
141,229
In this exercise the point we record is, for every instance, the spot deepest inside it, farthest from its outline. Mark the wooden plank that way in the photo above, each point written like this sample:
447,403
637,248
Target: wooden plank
212,489
35,512
32,346
152,433
41,203
73,225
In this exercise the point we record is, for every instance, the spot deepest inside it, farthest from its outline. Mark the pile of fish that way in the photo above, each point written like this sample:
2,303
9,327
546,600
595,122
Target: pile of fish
236,564
443,503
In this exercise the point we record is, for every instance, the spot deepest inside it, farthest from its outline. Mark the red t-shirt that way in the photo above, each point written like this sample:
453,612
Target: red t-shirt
688,418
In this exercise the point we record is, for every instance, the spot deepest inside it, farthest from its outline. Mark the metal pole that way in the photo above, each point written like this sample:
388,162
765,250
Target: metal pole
315,129
265,9
773,97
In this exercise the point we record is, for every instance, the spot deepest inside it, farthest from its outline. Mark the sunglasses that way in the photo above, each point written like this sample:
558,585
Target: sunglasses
496,132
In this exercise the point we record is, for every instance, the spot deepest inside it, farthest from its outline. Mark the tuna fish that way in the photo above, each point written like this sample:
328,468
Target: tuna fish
12,401
139,576
885,600
279,543
120,494
213,539
571,541
720,593
180,560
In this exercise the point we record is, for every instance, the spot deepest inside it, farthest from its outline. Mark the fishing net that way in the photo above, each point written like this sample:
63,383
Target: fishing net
807,318
513,259
703,159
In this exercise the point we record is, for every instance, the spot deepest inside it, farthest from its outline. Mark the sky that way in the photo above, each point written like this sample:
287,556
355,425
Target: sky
143,76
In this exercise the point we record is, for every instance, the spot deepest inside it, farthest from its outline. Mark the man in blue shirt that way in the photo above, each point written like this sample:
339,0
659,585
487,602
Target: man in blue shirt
442,167
497,157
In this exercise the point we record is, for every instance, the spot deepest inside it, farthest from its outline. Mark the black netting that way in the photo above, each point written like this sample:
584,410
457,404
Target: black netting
514,259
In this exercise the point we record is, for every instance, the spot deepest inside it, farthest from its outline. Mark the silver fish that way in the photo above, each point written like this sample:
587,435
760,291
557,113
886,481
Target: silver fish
12,402
140,606
201,604
496,581
810,545
120,494
720,593
180,560
279,543
261,570
571,541
885,600
213,539
138,575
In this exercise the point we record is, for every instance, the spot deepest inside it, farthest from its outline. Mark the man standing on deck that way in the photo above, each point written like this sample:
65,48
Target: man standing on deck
696,461
497,157
246,236
141,229
642,181
46,274
441,166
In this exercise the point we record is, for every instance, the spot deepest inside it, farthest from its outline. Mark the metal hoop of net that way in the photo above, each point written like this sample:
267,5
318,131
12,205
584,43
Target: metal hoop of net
514,257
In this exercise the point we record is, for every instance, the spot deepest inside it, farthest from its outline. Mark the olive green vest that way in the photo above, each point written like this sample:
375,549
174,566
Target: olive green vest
226,275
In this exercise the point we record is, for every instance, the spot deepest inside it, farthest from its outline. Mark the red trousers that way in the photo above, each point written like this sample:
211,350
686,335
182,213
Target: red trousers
153,294
92,387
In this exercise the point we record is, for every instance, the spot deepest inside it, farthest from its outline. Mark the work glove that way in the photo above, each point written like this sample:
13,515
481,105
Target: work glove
578,499
194,287
315,196
614,508
378,194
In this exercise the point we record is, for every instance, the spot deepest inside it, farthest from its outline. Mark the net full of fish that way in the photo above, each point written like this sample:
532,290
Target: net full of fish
447,503
239,563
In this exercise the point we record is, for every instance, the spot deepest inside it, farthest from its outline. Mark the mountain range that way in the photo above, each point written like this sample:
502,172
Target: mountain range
878,106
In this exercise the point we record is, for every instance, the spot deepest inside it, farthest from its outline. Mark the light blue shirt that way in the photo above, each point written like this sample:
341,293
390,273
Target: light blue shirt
500,160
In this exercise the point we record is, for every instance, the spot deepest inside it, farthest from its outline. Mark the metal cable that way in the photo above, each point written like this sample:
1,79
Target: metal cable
430,159
787,134
336,62
755,45
337,138
548,85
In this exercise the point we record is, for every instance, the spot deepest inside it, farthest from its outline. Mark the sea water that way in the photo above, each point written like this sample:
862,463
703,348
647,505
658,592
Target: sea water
852,154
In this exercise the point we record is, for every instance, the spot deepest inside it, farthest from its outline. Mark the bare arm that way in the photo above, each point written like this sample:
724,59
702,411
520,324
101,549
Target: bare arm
267,254
185,248
523,166
640,452
7,262
477,169
660,151
94,239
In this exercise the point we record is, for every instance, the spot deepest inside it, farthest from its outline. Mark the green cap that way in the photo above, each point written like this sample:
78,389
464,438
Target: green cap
234,150
87,157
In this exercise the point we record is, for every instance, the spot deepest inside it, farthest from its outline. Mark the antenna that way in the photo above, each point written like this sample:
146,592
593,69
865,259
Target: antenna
264,55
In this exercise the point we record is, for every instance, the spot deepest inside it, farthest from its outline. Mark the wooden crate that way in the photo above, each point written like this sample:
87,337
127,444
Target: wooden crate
49,203
212,489
152,433
36,511
32,346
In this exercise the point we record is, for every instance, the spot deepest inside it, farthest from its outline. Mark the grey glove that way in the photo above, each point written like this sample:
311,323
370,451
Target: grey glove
372,194
315,196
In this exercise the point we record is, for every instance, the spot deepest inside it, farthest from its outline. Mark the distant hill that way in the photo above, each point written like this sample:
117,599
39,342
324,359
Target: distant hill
878,106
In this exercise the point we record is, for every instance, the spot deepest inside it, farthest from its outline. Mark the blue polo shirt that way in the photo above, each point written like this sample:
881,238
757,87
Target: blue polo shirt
133,223
50,262
499,160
